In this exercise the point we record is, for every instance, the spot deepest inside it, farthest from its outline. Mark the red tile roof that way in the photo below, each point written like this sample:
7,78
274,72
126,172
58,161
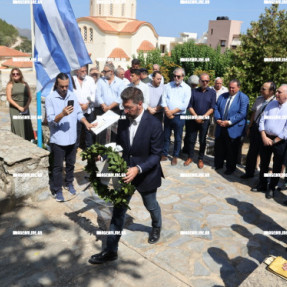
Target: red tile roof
146,46
107,26
119,53
17,64
8,52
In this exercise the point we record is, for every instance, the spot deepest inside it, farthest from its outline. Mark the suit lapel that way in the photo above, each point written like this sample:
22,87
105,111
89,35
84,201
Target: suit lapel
233,104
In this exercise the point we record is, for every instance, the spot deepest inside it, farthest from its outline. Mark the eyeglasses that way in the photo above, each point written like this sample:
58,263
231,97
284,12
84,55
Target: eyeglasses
263,89
106,71
204,81
94,75
177,76
15,74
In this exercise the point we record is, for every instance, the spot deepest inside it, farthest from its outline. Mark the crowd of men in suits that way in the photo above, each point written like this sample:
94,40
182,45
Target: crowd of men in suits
154,111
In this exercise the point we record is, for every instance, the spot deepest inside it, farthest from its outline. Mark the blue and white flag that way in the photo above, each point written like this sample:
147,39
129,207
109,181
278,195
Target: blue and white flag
59,46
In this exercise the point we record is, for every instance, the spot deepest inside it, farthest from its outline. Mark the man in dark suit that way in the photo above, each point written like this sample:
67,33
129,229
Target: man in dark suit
230,116
141,138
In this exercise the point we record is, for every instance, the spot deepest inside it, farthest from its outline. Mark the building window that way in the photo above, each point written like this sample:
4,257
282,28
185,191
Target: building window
222,43
80,30
91,35
85,34
111,9
211,32
162,48
123,9
100,9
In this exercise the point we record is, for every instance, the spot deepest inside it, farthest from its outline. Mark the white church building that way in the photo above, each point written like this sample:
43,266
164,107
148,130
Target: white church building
112,32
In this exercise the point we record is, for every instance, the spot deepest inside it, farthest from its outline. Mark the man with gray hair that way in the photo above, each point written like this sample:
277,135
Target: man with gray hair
218,87
109,90
120,73
108,95
273,129
156,67
175,100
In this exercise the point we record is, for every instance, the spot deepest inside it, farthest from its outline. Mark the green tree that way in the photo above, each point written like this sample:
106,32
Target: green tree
8,33
265,39
218,62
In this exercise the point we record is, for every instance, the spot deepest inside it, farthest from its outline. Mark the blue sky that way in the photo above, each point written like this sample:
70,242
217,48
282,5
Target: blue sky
169,17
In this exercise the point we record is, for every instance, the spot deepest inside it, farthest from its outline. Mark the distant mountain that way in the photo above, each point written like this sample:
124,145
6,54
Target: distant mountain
24,33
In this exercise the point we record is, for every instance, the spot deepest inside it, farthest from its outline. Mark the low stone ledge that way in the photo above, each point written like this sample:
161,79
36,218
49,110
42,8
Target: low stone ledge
262,277
23,168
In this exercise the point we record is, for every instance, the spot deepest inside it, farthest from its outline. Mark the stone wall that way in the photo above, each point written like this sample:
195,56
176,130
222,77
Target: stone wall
23,168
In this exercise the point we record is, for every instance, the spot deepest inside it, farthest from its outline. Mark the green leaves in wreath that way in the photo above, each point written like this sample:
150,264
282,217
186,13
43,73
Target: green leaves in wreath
116,164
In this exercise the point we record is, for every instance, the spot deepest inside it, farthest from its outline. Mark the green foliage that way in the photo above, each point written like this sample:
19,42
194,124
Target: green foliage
216,66
217,62
116,165
8,34
265,39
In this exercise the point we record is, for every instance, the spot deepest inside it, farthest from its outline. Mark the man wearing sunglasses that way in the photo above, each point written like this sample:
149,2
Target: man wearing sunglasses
175,100
108,96
201,107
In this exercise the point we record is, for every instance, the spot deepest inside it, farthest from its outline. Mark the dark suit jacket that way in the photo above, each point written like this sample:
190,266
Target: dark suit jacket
145,151
237,114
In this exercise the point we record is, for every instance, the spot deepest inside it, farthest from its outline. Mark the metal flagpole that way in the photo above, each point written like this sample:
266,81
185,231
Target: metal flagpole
38,95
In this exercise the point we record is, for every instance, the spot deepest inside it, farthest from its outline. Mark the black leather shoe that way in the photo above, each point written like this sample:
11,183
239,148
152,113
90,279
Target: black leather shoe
246,175
103,257
154,235
228,172
259,188
269,194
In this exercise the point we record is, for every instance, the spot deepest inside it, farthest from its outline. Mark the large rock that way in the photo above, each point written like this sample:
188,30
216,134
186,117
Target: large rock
23,168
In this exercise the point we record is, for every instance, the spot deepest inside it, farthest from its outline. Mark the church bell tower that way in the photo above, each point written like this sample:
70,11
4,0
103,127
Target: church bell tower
116,8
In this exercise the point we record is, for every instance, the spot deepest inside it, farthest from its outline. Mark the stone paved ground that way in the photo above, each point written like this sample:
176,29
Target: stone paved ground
231,218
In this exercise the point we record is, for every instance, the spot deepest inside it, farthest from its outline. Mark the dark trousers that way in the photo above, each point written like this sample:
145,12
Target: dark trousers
226,148
159,116
193,130
61,153
278,150
253,151
175,124
89,135
118,218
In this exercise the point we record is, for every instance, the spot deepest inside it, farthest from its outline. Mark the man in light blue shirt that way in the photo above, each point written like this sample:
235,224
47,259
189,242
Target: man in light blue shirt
109,89
273,129
175,100
108,96
63,112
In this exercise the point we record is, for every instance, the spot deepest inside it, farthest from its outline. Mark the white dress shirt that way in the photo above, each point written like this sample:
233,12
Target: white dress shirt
86,93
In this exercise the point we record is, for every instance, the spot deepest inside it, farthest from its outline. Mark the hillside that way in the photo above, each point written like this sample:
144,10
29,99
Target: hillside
9,35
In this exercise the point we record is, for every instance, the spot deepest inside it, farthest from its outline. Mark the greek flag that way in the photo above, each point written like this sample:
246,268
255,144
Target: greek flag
59,46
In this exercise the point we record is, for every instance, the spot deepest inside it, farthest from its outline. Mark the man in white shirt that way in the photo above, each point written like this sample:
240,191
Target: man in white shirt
156,67
219,89
85,92
137,83
120,73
